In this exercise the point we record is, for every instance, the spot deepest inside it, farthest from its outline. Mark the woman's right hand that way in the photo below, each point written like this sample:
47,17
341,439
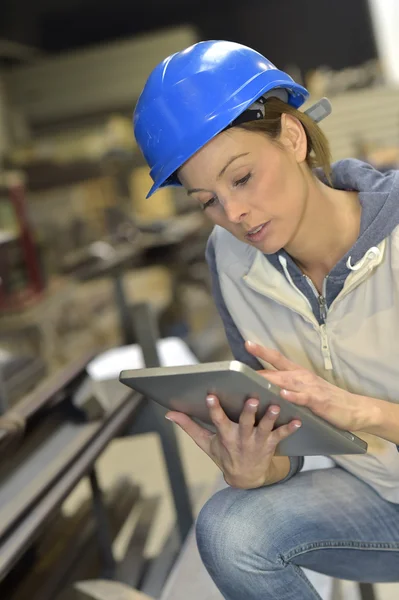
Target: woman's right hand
244,452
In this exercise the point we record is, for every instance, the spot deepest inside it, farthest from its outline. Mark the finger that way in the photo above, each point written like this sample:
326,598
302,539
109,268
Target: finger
299,398
218,416
289,380
246,421
271,356
283,432
267,422
202,437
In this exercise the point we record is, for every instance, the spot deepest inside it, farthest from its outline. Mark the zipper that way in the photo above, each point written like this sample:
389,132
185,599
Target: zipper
310,318
321,298
323,308
325,347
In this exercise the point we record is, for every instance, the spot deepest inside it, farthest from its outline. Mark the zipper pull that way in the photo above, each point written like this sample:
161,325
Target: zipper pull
323,308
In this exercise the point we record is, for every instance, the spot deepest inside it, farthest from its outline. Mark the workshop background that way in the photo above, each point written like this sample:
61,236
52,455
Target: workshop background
94,486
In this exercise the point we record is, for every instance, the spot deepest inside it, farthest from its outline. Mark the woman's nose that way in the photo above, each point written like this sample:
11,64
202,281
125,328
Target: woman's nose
235,211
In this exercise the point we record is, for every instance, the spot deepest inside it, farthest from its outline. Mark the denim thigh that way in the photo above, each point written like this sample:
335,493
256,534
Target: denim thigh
325,520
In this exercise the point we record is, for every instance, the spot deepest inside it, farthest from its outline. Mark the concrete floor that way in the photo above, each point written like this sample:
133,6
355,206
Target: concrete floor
141,458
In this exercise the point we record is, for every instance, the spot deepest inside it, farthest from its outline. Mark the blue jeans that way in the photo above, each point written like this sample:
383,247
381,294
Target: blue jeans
254,542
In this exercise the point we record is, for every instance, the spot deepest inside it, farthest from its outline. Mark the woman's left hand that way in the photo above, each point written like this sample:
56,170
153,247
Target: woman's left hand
302,387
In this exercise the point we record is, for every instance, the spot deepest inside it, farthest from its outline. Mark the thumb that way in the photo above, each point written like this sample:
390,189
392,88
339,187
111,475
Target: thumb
201,436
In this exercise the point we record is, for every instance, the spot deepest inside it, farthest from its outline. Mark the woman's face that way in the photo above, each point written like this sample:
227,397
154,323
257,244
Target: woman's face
251,186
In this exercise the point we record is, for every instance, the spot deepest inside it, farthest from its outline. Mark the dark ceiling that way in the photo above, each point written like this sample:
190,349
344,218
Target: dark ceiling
292,33
56,25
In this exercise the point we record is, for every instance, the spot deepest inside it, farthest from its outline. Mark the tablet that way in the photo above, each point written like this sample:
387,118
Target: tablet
184,389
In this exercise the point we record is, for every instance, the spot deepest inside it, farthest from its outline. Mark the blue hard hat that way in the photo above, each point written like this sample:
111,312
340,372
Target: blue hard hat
195,94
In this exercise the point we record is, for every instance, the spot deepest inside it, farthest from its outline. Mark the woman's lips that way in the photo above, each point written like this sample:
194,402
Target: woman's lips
257,234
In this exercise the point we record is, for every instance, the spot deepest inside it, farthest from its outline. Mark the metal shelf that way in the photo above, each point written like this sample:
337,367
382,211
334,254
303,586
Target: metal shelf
35,489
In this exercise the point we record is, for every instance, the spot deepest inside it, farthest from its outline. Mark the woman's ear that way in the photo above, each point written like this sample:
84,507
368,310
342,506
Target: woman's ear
293,137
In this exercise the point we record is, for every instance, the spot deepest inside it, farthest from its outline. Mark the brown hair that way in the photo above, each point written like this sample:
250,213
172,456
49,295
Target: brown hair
318,150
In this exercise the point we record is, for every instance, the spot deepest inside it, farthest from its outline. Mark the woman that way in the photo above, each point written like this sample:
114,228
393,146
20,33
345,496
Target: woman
304,259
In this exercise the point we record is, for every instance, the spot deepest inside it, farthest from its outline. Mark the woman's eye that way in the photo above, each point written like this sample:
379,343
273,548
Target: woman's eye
243,180
208,204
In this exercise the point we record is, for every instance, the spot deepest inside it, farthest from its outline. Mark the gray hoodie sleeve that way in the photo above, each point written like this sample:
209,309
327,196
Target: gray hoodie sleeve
235,339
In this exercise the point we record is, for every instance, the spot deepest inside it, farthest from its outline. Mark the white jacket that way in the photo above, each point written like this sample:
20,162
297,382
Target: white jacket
358,347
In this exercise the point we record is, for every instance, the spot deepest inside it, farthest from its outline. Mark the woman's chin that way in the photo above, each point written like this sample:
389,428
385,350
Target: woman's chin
268,246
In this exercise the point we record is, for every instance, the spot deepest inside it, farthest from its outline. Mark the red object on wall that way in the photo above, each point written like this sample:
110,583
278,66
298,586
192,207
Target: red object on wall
23,244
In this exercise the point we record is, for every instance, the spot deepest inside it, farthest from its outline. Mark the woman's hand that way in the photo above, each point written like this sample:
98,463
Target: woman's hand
300,386
244,452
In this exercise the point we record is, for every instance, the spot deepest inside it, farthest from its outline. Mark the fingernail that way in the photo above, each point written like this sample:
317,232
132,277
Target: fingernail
284,392
210,400
169,419
251,343
297,425
254,403
275,411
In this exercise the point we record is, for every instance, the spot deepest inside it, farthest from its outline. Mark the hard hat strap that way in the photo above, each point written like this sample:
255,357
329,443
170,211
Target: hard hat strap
318,111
